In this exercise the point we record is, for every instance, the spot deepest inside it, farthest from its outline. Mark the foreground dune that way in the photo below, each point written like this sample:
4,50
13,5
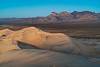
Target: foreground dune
36,38
44,58
43,40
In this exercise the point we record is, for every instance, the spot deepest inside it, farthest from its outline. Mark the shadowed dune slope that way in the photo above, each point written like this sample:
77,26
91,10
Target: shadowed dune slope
43,58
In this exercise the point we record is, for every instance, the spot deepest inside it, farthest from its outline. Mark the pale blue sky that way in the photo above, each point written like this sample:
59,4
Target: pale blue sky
33,8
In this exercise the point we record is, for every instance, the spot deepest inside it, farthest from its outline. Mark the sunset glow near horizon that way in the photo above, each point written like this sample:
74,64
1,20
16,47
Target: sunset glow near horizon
33,8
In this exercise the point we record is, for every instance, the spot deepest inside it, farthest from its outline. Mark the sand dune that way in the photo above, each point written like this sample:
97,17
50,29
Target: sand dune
44,40
35,37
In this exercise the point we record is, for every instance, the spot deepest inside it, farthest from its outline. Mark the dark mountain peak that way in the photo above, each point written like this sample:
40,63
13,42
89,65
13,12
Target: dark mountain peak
65,13
53,14
87,12
82,13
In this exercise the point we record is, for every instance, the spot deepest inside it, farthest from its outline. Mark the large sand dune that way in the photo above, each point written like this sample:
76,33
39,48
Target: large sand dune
43,40
36,38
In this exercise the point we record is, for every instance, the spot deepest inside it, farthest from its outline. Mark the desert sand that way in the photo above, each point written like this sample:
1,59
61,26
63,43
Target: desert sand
44,58
50,50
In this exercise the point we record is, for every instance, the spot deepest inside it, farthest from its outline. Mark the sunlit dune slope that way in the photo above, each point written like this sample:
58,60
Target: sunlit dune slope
41,39
35,37
6,42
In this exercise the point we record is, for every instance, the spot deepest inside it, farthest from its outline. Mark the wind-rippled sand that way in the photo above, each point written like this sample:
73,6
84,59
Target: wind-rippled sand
44,58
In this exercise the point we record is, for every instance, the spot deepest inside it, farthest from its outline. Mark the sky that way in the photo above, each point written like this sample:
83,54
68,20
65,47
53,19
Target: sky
34,8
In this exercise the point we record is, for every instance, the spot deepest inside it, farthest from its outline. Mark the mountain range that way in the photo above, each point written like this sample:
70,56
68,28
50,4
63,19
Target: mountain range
62,17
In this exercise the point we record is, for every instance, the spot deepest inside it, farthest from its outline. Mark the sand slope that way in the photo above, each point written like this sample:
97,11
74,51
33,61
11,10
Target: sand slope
6,42
43,58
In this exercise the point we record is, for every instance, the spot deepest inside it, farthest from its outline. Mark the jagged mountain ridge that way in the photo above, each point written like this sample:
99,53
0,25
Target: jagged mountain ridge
62,17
